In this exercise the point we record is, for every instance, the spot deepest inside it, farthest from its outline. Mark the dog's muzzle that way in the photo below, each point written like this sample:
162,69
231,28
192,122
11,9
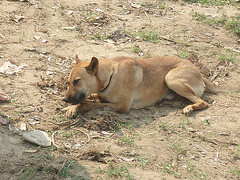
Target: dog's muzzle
74,100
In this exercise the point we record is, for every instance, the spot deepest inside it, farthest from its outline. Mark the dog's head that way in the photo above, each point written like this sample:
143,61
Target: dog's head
82,81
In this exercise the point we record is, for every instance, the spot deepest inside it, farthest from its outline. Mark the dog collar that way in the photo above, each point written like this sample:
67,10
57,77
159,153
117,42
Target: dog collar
108,83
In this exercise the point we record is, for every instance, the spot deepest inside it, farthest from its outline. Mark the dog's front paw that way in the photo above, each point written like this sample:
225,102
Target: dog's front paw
71,111
188,109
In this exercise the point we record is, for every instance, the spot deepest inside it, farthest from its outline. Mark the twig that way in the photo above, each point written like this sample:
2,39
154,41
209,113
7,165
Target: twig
59,147
62,166
166,39
83,133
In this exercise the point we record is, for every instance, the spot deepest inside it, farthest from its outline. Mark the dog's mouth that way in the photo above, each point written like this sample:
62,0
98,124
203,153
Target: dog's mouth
75,99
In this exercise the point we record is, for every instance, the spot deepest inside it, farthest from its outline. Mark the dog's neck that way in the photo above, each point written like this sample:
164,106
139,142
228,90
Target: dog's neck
107,84
103,83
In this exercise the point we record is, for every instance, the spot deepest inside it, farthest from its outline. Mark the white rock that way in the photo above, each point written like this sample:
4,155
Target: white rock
38,137
23,126
99,10
70,13
36,37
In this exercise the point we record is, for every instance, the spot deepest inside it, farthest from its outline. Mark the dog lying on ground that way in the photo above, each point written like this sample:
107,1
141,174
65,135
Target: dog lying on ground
126,83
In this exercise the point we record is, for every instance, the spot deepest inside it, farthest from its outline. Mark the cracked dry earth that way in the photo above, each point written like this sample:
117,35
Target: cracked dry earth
41,38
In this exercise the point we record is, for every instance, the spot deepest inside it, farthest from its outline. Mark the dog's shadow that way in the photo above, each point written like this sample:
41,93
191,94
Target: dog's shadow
106,119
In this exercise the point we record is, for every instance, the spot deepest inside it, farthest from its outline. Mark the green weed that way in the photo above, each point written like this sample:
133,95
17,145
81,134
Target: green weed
98,36
22,37
177,147
136,49
234,24
211,21
184,121
164,126
129,141
190,166
68,168
119,171
152,36
235,171
148,36
229,23
142,161
213,2
183,54
228,58
169,169
147,4
236,154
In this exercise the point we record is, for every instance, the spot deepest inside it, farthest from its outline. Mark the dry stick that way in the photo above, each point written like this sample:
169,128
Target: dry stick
83,133
166,39
53,141
62,166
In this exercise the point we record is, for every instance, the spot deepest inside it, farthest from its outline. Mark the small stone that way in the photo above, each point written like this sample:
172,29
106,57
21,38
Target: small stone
99,10
208,34
23,127
38,137
44,41
36,37
70,13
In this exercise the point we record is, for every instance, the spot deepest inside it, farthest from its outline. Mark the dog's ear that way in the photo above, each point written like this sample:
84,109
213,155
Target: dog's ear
77,59
93,66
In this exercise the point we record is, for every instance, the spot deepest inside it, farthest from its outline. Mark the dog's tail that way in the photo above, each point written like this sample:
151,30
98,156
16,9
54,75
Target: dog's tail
210,87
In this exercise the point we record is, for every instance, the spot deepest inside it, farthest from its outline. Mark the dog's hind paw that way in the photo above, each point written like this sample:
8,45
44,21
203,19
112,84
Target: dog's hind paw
71,111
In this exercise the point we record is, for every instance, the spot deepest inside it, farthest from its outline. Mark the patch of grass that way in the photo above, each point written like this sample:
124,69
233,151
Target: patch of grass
67,134
183,54
236,154
142,161
213,2
211,21
22,37
177,147
98,36
65,171
190,166
152,36
136,49
123,125
235,171
227,57
234,24
229,23
38,169
116,171
60,118
169,169
184,121
147,4
164,126
129,141
148,36
69,168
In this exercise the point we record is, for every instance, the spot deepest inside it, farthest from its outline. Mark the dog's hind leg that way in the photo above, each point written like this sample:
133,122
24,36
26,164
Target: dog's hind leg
189,84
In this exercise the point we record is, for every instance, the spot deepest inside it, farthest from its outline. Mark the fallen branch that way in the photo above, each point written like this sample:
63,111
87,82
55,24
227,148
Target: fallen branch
83,133
58,147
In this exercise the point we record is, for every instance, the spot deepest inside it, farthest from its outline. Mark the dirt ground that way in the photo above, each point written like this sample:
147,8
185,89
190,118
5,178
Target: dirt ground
156,142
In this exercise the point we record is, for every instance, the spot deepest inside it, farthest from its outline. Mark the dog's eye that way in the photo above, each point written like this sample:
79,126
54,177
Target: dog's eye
75,81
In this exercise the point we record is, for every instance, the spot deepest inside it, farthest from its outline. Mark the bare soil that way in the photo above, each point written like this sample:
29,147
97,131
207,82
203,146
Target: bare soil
156,142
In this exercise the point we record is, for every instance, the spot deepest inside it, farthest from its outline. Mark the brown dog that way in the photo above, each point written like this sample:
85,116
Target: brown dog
127,83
